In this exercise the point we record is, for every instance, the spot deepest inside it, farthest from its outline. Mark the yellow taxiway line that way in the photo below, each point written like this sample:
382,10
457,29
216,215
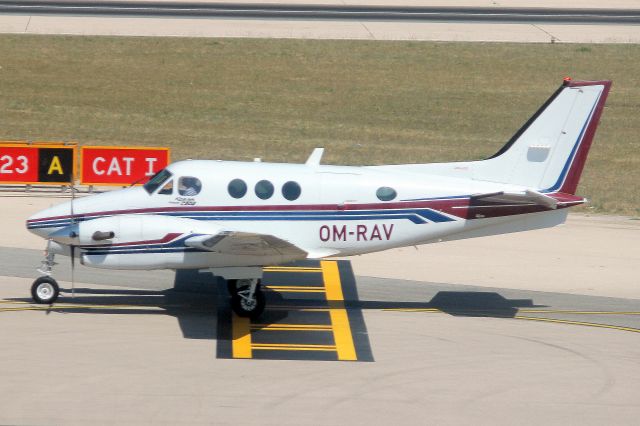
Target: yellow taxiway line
339,318
292,347
544,311
528,311
293,327
583,323
295,289
241,335
301,269
243,347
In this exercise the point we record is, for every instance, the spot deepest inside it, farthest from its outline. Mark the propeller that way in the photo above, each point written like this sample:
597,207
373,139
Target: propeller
72,247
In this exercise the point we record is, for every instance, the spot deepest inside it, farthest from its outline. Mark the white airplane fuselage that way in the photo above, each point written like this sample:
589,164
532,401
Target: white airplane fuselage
336,214
286,212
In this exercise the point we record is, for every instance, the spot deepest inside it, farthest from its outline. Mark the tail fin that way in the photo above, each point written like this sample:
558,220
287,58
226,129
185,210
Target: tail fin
549,152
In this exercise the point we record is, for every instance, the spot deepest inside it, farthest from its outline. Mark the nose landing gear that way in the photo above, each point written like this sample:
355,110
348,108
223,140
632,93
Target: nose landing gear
45,290
247,297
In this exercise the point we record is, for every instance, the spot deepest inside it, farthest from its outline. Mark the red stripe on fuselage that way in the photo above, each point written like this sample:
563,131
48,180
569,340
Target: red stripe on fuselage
459,207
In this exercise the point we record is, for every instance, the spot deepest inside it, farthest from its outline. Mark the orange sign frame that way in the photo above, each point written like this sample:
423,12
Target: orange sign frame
37,145
116,148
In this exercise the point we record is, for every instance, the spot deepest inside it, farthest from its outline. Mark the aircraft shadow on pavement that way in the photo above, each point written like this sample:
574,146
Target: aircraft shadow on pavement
198,305
193,302
458,303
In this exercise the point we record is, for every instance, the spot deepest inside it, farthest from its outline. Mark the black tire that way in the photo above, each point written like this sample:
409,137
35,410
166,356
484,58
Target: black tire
45,290
242,309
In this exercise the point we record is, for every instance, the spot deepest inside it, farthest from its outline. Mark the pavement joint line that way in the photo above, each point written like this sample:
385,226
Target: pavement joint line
56,308
560,311
71,305
541,311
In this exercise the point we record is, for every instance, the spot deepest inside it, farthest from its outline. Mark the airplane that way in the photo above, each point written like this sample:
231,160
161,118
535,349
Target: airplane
232,218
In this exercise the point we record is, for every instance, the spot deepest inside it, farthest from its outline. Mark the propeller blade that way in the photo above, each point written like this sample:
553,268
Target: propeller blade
73,267
76,234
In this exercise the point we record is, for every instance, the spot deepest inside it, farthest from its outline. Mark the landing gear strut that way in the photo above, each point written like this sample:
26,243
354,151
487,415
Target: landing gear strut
45,289
247,298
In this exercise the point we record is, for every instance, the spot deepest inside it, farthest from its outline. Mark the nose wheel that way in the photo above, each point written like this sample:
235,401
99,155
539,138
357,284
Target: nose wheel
45,290
247,298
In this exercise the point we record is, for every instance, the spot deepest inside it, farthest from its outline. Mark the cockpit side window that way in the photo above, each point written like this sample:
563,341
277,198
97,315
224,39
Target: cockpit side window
158,179
167,189
189,186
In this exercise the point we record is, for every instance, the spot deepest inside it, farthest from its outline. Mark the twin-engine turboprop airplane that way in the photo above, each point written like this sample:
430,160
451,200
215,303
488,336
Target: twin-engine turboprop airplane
232,218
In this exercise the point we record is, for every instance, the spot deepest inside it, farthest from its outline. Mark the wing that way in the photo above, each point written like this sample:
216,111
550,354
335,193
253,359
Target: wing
526,197
245,243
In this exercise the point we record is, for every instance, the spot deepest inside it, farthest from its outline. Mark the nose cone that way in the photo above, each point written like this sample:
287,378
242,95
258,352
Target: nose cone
50,220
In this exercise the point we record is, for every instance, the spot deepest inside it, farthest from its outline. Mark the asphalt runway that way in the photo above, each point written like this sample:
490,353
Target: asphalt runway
324,12
586,21
129,348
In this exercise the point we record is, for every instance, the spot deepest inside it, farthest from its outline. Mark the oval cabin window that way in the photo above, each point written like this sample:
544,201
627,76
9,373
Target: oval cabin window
264,189
237,188
385,193
291,190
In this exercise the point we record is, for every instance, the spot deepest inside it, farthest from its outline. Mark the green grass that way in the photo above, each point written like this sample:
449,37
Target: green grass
366,102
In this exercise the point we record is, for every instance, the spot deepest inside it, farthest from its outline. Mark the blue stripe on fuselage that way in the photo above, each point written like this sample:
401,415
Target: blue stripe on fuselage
417,216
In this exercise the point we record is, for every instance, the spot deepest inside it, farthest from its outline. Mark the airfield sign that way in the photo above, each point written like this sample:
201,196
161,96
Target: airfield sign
37,163
102,165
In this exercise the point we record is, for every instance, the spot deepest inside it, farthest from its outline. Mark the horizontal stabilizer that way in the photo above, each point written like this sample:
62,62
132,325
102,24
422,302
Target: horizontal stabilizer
527,197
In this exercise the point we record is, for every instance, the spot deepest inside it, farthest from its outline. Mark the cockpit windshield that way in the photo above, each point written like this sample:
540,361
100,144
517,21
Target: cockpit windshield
158,179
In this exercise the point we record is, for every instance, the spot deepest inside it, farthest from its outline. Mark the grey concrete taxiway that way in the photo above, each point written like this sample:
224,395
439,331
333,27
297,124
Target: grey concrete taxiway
125,351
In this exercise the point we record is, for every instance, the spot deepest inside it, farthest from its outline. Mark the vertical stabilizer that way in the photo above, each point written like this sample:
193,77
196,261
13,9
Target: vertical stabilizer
549,152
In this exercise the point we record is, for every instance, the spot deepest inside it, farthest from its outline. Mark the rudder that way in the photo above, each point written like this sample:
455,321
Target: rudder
549,152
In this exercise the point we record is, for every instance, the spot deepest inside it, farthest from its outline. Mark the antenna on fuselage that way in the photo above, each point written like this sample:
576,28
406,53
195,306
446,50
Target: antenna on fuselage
315,157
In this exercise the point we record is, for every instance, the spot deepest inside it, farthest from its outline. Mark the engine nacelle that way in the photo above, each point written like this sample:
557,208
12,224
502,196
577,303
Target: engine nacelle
119,241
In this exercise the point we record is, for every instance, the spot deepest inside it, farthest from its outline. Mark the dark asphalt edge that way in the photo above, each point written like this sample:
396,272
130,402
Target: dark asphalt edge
324,12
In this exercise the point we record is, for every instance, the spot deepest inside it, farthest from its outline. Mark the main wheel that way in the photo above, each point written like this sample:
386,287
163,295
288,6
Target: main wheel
248,308
45,290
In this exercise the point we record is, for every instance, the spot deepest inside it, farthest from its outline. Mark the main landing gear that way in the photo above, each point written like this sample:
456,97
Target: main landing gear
45,289
247,297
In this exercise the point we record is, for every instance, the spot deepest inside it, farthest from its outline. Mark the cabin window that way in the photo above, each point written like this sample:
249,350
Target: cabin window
167,189
189,186
158,179
291,190
237,188
264,189
384,193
